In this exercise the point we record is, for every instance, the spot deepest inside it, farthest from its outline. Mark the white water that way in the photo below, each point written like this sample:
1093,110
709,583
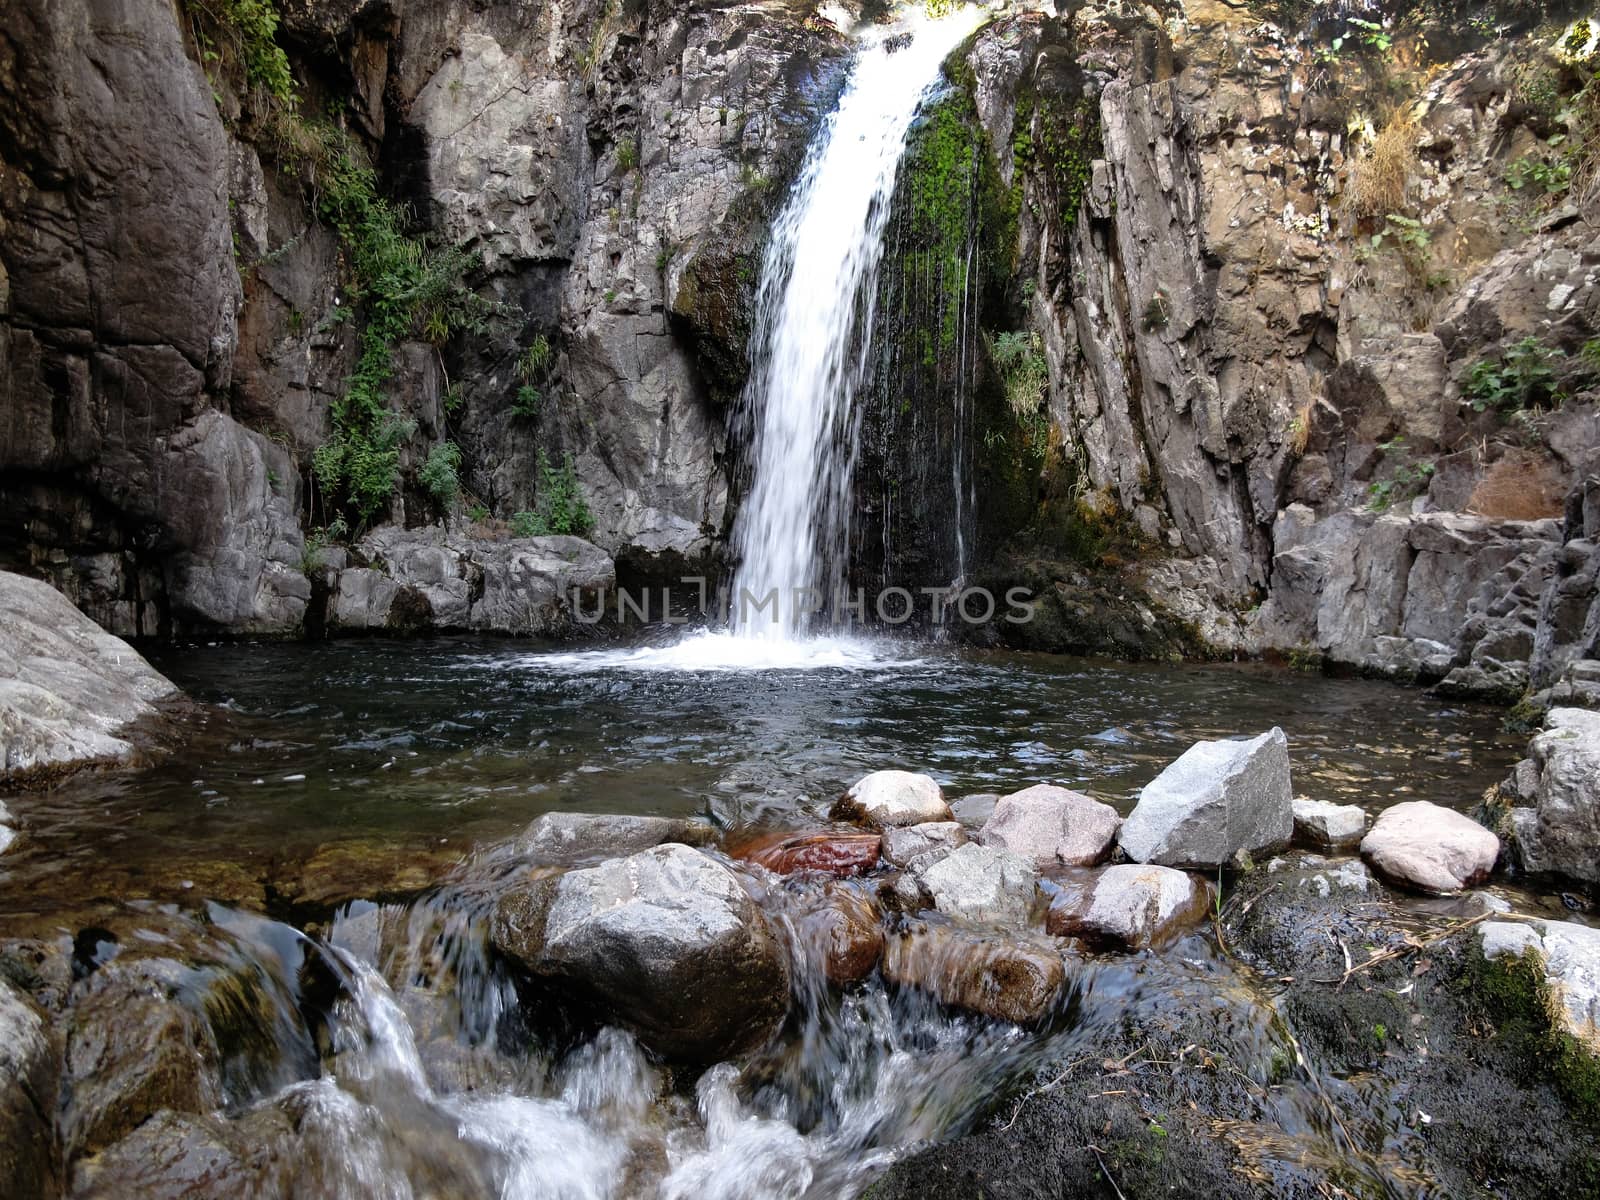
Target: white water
812,337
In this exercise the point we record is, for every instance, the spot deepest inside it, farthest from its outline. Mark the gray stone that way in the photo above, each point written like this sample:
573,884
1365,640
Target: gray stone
68,690
972,811
981,884
28,1070
1560,832
1430,848
885,799
667,941
570,838
1217,799
1571,958
1132,906
925,843
1052,826
1330,826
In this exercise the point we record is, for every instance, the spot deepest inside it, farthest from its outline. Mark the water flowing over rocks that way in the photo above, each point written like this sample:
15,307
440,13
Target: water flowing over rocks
1013,978
666,940
830,853
1048,826
69,692
1556,830
980,884
1217,800
570,838
888,798
1327,825
1430,848
1130,906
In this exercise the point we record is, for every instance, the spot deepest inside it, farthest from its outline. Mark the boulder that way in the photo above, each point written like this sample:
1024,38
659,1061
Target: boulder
1049,826
8,828
982,884
1006,978
28,1069
666,942
843,931
70,693
837,854
1570,955
1560,833
922,843
972,811
1216,800
571,838
185,1156
885,799
1430,848
1131,906
1328,826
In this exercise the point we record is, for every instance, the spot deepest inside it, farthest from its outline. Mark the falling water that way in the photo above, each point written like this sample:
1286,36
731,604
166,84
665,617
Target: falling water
812,338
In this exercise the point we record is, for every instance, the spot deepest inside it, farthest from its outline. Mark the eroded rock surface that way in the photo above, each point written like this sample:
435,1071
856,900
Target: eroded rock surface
1557,831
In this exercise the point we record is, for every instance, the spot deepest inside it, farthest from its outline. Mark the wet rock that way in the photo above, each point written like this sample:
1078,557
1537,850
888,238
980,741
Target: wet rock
830,853
846,930
1559,833
28,1069
1329,826
981,884
187,1156
924,843
666,941
8,830
69,692
1049,826
1217,799
1430,848
362,869
972,811
887,798
566,837
1570,956
1131,907
1007,978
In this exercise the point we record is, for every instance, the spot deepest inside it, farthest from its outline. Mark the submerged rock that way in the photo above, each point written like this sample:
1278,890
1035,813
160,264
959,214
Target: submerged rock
28,1070
923,843
1560,832
570,838
667,941
845,930
188,1156
69,691
1328,826
1570,957
1131,906
982,884
887,798
1007,978
1049,826
830,853
1430,848
1217,799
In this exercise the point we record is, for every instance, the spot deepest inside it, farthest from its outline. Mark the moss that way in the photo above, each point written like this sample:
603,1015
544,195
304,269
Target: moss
1517,998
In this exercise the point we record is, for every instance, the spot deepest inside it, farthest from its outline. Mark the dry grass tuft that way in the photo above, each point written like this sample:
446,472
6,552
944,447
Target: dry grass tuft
1300,428
1381,179
1520,487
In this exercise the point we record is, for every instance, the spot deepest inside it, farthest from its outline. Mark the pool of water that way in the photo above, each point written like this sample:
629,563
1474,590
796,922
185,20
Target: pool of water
444,744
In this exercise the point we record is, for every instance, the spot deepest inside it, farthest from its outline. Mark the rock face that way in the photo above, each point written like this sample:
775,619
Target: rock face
1050,826
1009,978
1217,799
570,838
888,798
1329,826
1571,958
429,580
981,884
1430,848
1559,831
28,1070
1131,907
68,690
667,941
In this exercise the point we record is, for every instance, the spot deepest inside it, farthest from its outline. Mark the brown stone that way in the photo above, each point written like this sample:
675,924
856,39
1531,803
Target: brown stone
1009,978
838,854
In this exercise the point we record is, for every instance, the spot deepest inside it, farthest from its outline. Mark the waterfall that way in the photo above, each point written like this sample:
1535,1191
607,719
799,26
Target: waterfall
811,341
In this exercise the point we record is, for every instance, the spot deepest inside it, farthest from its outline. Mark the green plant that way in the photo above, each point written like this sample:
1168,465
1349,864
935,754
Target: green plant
628,154
528,402
533,362
1409,480
1590,354
478,514
1025,374
559,506
441,473
454,397
1305,657
611,295
244,32
1522,377
1157,313
1549,176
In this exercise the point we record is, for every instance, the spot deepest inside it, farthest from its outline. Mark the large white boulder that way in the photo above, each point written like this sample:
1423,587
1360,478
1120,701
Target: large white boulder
1132,906
1216,800
981,884
1430,848
885,799
1052,826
